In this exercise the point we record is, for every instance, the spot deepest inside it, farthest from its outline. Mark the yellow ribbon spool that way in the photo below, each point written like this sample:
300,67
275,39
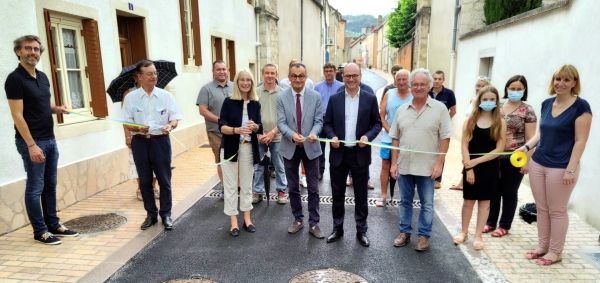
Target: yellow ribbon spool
514,159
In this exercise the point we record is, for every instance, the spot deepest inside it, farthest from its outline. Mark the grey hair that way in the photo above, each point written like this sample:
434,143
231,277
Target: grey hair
420,71
27,38
402,71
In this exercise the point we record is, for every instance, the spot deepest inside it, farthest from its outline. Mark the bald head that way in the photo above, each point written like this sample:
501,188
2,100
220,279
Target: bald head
352,66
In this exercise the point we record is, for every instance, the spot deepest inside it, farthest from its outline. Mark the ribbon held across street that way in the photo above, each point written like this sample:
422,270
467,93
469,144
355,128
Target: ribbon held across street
517,159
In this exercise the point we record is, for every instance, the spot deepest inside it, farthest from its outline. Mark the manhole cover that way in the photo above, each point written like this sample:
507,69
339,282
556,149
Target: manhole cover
327,275
96,223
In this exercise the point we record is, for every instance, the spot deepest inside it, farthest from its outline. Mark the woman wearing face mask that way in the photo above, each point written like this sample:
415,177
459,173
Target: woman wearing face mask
483,132
482,81
520,127
565,122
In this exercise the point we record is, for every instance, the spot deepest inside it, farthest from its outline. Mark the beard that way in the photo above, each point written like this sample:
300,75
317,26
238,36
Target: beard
32,60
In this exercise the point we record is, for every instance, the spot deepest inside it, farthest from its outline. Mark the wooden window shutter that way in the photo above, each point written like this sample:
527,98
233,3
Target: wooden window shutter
231,59
196,31
94,69
183,27
53,73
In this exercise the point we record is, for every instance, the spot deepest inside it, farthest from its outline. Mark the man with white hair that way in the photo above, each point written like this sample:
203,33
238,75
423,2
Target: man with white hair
418,169
388,107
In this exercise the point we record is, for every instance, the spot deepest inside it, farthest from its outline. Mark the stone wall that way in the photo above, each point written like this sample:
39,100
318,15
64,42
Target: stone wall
422,19
471,16
268,33
80,180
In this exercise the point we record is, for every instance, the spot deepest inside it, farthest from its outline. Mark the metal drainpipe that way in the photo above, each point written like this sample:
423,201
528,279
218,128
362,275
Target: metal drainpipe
256,5
453,53
301,30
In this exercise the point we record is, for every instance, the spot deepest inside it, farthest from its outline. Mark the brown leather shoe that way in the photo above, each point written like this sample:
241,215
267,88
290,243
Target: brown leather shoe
422,244
295,227
402,240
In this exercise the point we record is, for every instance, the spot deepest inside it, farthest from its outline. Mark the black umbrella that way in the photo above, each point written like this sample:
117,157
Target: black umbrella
165,69
266,176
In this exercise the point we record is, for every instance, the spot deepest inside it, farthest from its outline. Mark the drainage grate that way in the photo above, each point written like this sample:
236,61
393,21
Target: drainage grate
96,223
327,275
328,199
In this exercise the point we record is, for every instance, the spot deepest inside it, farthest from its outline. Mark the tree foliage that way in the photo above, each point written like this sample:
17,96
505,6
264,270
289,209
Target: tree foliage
498,10
400,22
355,23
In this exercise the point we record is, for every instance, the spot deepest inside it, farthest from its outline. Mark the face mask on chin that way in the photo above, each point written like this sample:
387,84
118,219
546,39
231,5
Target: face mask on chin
487,106
515,96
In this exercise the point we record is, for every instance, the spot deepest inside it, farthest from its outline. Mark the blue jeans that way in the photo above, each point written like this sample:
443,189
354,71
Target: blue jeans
280,180
40,186
407,193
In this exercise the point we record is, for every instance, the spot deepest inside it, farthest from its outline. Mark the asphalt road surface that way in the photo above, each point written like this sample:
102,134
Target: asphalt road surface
201,246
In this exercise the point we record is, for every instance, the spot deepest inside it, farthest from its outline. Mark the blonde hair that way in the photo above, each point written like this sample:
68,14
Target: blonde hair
569,72
496,128
237,94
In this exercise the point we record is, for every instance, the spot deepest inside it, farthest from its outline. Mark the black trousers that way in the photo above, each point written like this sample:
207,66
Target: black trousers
312,181
154,155
508,195
360,177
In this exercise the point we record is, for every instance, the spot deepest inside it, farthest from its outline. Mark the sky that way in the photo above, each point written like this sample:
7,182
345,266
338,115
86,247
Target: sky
369,7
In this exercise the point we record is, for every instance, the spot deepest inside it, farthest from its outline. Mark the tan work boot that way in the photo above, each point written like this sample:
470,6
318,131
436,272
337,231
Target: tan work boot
402,240
422,244
437,185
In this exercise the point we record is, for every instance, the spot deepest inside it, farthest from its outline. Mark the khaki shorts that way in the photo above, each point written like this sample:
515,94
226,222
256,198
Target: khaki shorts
215,143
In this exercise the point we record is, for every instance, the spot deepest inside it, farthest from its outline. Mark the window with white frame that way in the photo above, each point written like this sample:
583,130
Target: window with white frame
69,52
189,30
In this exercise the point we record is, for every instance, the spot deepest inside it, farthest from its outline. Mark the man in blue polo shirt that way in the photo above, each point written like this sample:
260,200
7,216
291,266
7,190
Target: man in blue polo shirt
28,93
446,96
326,88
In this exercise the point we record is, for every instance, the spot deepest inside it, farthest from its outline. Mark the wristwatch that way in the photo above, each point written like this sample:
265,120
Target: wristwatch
570,172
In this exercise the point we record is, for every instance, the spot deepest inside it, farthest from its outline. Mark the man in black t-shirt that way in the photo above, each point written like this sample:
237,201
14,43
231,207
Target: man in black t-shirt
28,93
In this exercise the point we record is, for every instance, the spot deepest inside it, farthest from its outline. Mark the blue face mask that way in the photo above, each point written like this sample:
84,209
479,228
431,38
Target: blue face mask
515,96
487,105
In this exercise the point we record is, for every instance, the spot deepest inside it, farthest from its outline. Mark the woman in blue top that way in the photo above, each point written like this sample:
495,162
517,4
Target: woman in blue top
389,105
565,123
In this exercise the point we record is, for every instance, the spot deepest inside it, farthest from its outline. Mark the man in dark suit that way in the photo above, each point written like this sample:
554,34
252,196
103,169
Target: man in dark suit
355,117
300,120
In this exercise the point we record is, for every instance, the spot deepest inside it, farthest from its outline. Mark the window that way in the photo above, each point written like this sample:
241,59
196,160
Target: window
76,63
190,32
217,48
485,66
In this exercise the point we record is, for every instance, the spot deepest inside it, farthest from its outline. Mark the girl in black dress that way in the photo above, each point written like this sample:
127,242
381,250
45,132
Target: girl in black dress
483,132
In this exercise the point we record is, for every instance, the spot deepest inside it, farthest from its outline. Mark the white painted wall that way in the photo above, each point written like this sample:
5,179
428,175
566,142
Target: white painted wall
535,48
232,19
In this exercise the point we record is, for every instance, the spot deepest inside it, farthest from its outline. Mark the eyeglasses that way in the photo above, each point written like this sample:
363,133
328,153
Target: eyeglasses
355,76
420,85
295,77
151,74
29,49
516,89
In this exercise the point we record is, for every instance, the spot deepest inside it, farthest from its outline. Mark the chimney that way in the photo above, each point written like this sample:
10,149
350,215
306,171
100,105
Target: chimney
364,30
379,20
372,28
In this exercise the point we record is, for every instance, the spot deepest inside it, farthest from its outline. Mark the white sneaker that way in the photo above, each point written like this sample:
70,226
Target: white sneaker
303,181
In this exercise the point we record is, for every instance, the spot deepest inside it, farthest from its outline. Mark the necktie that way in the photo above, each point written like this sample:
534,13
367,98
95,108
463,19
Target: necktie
299,115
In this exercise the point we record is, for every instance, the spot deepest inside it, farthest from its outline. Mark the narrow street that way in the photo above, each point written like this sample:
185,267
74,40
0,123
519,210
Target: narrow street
200,244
